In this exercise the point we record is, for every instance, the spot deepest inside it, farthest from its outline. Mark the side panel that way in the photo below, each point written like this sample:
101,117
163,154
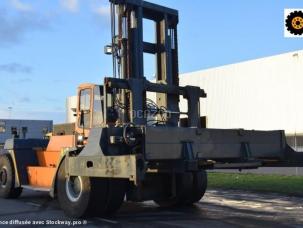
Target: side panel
23,153
40,177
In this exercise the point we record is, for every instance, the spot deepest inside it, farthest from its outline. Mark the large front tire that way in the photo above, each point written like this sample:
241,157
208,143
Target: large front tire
77,196
7,178
86,196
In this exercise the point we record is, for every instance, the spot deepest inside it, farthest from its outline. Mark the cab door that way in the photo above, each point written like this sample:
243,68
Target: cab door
84,109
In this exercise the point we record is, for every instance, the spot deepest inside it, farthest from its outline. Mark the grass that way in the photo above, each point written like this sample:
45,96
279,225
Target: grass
289,185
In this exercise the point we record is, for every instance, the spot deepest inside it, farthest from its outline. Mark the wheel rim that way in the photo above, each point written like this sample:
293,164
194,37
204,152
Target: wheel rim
74,188
3,176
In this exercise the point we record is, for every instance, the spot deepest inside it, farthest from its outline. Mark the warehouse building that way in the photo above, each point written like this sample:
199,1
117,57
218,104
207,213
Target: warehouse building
261,94
70,105
23,129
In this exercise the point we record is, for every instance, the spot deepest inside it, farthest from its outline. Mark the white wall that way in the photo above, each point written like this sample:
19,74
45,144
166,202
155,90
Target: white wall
71,103
264,94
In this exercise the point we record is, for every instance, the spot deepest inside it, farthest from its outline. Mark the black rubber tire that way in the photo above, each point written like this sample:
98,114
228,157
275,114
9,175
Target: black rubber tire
117,189
7,189
183,186
100,196
190,188
87,204
198,188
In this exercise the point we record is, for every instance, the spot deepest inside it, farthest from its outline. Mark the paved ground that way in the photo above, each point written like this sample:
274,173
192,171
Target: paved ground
217,209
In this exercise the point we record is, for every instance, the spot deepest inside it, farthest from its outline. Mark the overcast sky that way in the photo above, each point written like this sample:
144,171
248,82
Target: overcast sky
49,47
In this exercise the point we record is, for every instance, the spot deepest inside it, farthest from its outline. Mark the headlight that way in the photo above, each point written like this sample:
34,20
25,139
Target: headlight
80,139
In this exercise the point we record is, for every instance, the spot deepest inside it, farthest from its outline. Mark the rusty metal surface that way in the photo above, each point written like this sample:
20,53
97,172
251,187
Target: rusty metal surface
103,166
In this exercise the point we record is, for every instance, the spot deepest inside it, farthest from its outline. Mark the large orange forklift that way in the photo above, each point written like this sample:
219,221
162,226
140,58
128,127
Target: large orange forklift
34,162
127,146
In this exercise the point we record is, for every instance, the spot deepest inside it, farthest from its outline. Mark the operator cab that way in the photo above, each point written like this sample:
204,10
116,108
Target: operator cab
89,110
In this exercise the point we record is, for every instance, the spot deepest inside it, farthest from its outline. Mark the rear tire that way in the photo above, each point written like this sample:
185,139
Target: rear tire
81,197
190,188
198,188
183,182
7,178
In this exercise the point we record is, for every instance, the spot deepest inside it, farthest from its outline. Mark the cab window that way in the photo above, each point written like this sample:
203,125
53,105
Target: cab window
85,107
98,104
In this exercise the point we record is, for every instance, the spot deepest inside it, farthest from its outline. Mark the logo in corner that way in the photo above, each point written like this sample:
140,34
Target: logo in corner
293,23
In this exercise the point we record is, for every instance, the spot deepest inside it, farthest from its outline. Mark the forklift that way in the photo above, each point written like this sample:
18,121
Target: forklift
126,146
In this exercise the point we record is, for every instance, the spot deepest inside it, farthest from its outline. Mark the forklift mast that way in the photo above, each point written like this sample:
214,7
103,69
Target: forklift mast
128,48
